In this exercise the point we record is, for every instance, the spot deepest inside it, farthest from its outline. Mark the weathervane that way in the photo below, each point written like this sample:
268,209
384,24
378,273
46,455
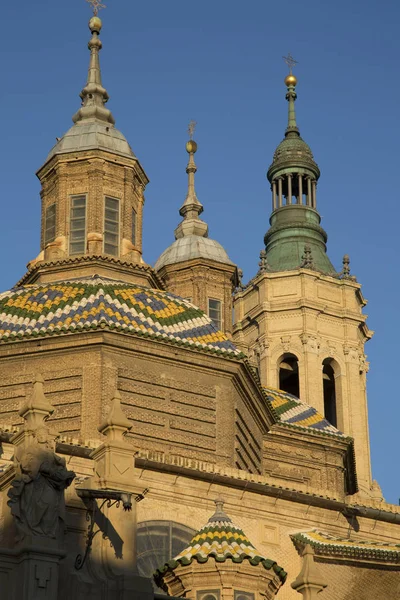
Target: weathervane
191,128
289,60
96,6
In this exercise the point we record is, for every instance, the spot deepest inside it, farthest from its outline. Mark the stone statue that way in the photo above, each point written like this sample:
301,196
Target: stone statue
36,498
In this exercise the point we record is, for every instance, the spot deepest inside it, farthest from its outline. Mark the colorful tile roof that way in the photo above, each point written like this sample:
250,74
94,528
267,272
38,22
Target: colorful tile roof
94,303
293,411
221,540
329,545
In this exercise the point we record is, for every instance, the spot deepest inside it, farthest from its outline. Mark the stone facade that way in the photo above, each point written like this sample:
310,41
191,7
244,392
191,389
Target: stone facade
313,317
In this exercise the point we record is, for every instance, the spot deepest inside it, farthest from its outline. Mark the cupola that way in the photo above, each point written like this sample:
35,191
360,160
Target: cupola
295,221
92,194
221,563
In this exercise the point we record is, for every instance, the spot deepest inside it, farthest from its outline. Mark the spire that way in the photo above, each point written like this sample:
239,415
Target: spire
94,95
295,221
291,82
116,424
220,514
192,207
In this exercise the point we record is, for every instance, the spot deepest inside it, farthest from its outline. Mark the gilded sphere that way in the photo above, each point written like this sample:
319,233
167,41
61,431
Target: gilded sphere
95,24
291,80
191,146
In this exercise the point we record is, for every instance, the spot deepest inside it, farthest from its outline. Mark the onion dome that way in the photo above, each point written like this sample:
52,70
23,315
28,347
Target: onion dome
191,235
94,303
221,540
94,124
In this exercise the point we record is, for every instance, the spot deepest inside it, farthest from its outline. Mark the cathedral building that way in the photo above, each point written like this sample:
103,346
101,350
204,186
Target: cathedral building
153,447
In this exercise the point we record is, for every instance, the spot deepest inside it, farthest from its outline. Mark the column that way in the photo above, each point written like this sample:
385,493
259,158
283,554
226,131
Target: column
280,191
274,195
289,188
309,196
314,194
300,196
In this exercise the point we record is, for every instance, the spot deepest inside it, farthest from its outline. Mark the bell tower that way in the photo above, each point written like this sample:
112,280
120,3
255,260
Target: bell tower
92,194
300,321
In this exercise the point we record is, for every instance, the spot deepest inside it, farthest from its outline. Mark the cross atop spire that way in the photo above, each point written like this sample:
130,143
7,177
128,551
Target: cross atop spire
191,129
289,60
96,6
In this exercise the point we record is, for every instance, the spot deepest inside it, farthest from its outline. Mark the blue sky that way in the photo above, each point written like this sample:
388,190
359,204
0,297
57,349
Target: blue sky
220,63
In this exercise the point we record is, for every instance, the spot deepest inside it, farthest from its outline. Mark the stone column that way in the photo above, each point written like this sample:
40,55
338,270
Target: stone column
314,193
289,188
279,192
274,195
309,581
300,196
114,468
309,192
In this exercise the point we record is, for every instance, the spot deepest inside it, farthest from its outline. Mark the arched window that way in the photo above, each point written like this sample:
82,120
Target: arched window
289,374
328,379
157,543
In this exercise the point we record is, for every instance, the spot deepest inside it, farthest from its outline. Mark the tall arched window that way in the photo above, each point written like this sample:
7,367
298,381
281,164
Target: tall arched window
157,543
289,374
328,379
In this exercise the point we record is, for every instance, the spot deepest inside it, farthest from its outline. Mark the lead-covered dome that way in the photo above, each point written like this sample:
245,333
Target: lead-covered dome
92,135
190,247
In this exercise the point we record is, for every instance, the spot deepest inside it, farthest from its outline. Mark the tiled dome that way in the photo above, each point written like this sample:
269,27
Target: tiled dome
221,540
293,411
84,304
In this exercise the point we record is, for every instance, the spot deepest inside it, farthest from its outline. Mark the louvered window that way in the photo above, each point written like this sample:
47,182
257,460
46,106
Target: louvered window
111,226
77,241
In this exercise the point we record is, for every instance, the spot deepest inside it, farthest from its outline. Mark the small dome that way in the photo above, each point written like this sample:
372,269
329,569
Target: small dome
94,303
92,135
293,152
192,246
219,539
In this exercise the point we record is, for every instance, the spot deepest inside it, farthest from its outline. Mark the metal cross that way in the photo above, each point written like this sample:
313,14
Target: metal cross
96,6
191,128
289,60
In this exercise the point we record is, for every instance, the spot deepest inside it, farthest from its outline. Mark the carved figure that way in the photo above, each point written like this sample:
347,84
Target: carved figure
36,498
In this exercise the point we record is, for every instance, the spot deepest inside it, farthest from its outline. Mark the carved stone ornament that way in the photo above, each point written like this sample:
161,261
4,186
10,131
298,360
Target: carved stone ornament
285,341
311,341
36,496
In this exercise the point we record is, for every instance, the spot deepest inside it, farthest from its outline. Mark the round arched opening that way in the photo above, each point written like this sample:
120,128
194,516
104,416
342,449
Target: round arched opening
289,374
328,379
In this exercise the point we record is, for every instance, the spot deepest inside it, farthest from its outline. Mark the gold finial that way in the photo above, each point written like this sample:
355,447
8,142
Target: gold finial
191,145
96,6
290,80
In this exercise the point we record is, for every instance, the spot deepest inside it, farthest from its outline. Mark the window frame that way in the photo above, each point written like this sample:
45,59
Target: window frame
118,212
46,228
209,309
72,219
